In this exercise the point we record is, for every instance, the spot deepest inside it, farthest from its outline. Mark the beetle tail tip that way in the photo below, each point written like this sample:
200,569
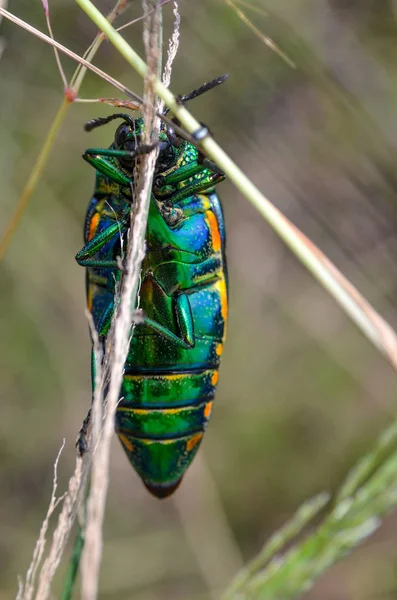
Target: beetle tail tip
162,490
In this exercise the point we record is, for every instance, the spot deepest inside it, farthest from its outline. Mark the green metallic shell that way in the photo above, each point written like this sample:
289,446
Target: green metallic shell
171,371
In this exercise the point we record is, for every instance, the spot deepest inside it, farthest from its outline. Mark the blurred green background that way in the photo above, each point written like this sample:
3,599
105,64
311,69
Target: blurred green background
302,394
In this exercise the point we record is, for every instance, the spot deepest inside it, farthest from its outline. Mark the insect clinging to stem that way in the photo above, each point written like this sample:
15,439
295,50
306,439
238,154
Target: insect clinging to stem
171,371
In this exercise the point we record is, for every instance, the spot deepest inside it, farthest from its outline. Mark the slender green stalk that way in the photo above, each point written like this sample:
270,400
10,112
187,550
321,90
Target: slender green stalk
356,307
369,463
35,174
368,494
70,579
304,515
70,94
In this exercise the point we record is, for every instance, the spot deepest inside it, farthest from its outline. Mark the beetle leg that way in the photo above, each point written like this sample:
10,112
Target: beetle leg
197,187
94,157
184,317
82,438
105,167
84,257
105,320
166,333
81,441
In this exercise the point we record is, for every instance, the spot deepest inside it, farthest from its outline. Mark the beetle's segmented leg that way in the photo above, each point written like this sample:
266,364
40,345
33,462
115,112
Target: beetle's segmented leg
209,164
81,442
105,167
112,153
86,254
198,187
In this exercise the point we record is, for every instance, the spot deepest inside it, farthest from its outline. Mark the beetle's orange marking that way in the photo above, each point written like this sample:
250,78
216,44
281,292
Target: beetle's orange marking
126,442
208,410
166,377
93,225
219,349
153,411
215,235
193,441
223,299
89,298
214,378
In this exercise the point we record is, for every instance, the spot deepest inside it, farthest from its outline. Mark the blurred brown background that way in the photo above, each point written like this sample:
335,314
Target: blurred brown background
302,394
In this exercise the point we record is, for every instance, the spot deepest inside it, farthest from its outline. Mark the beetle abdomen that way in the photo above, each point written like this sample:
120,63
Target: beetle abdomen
161,420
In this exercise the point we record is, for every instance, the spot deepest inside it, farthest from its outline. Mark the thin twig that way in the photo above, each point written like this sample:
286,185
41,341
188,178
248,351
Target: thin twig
161,3
119,337
57,57
173,46
62,531
26,590
264,38
71,54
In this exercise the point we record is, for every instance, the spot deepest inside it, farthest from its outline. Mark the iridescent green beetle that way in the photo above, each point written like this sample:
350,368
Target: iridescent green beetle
171,371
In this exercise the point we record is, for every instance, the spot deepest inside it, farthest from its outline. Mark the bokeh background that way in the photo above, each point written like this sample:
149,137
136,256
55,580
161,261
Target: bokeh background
302,394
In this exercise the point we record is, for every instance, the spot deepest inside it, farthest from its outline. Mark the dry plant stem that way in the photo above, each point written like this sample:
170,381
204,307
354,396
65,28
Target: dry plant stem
374,327
62,530
161,3
253,7
26,590
173,46
57,57
266,40
118,346
71,54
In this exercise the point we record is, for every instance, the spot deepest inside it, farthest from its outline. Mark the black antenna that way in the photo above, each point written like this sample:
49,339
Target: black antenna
204,88
201,90
99,121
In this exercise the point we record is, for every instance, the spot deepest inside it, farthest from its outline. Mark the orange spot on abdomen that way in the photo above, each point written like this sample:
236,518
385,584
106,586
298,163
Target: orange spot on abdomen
126,442
93,226
214,378
193,441
89,298
215,235
208,410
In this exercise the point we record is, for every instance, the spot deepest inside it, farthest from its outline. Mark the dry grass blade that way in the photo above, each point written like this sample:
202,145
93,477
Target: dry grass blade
26,589
264,38
71,502
173,46
119,338
3,3
62,531
65,522
56,53
71,54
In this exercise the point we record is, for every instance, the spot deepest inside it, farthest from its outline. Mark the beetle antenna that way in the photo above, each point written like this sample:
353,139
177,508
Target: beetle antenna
201,90
204,88
99,121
